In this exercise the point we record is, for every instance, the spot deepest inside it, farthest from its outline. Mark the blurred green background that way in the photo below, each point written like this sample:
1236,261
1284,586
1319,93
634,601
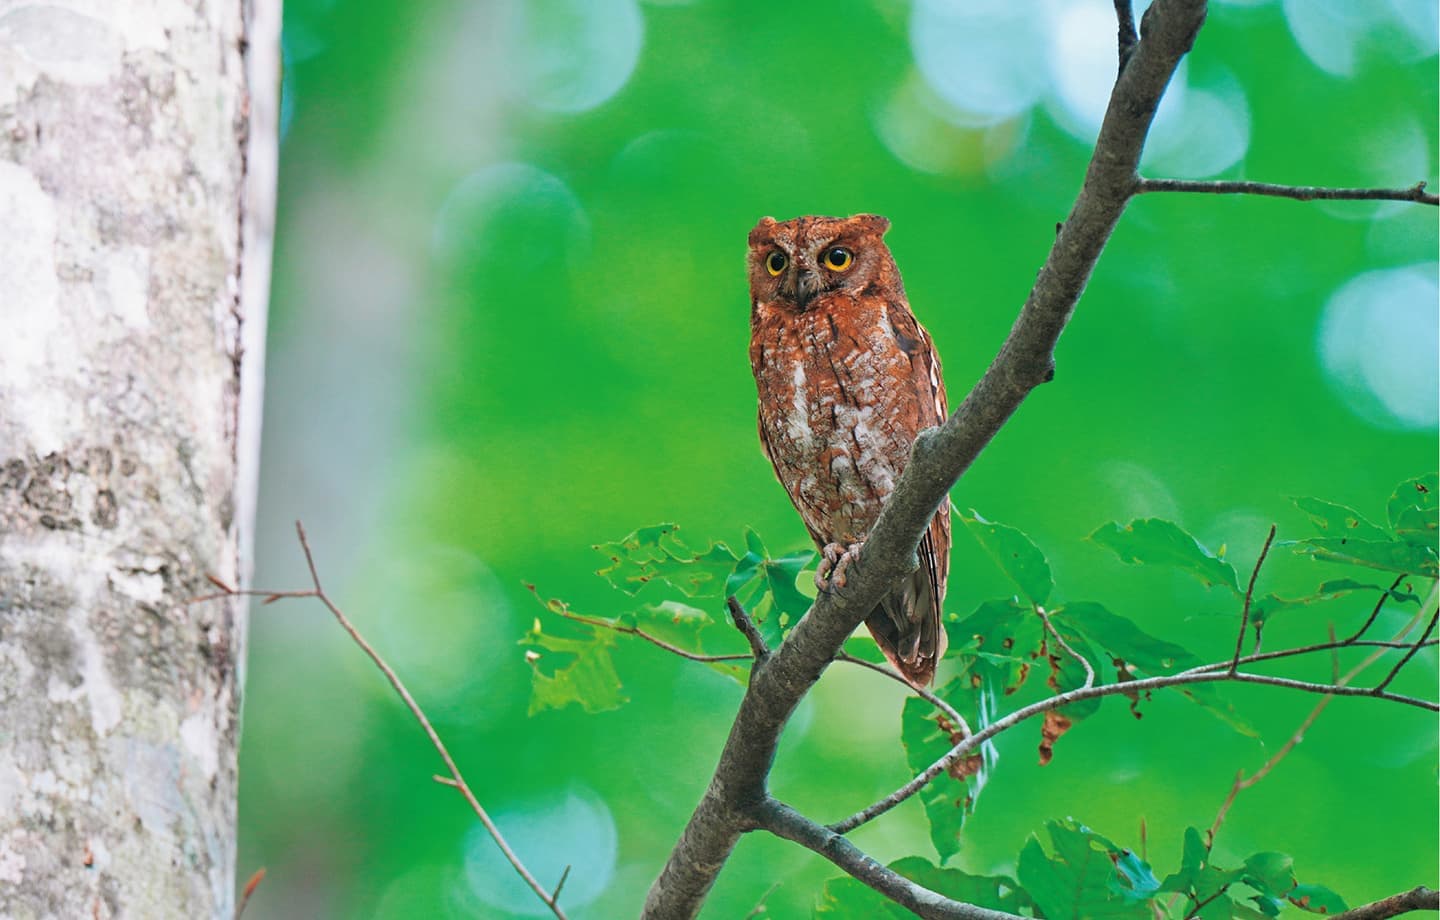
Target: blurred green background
510,321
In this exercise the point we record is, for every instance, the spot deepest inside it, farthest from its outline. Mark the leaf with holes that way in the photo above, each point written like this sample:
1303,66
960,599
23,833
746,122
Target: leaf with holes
572,670
1079,881
1153,541
658,553
1339,521
1414,510
927,734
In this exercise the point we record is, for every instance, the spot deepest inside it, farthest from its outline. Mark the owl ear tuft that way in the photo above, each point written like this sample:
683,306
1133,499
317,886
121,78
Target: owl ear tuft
762,230
873,222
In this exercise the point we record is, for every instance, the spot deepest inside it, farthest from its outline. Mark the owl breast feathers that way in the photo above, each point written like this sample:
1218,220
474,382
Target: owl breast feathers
847,378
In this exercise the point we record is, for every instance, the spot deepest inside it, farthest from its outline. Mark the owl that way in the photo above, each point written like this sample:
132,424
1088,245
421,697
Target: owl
847,378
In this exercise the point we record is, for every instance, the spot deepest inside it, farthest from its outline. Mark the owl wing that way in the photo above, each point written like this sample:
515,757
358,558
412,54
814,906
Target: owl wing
914,637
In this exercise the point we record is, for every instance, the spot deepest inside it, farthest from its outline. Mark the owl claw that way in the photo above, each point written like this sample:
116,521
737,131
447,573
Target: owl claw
835,559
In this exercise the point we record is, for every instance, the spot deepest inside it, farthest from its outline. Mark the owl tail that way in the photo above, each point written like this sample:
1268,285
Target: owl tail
906,626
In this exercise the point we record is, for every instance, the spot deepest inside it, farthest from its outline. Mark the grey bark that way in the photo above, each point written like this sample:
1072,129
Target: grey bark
136,190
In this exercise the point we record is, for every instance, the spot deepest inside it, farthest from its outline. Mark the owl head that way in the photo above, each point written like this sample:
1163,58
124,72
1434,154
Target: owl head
795,263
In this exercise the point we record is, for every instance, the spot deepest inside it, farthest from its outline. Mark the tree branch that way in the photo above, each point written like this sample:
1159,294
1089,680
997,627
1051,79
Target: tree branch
455,780
1415,193
1125,37
1418,898
784,821
1249,593
737,799
1204,674
758,650
939,457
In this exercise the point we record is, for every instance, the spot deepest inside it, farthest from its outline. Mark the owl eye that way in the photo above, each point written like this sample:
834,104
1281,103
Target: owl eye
839,258
775,262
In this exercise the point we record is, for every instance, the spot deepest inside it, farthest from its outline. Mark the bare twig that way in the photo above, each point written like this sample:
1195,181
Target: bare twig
758,650
248,890
563,611
1060,640
759,909
455,779
1126,36
1418,898
1249,593
927,695
1212,674
784,821
1415,193
1378,606
1408,655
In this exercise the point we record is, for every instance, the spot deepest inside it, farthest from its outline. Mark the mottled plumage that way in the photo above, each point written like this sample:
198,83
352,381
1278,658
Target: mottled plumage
847,378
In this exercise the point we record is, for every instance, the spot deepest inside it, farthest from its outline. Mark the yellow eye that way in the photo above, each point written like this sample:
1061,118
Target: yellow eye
775,262
839,258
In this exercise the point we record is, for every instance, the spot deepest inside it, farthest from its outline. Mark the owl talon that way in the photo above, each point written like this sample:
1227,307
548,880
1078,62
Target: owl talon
835,559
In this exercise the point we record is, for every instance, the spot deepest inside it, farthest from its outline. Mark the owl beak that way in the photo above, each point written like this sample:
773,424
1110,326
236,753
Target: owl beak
807,285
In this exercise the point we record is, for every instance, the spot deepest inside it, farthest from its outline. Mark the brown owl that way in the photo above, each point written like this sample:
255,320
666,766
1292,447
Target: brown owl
847,378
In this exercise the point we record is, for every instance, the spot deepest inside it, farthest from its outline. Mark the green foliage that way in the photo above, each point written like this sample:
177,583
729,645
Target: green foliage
572,670
1082,878
1156,542
1409,547
677,593
578,669
848,899
1268,876
1019,558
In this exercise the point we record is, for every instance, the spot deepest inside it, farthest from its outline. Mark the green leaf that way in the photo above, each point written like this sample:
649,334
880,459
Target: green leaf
689,628
657,552
1392,556
1192,858
1266,607
1001,633
996,892
927,735
1138,654
566,671
848,899
1270,873
1317,899
1414,510
1153,541
1339,521
1015,553
1079,881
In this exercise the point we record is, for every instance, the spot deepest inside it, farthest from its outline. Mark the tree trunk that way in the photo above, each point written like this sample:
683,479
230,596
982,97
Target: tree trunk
136,190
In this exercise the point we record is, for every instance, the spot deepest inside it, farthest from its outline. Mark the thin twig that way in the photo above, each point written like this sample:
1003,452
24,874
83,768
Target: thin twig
1217,673
555,895
758,649
1249,593
248,890
1306,650
759,908
1126,36
1378,606
1414,193
456,779
639,633
1408,655
924,693
1050,627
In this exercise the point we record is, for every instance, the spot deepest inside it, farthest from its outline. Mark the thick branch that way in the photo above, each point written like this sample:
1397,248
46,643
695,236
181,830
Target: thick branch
1414,193
940,457
1418,898
784,821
